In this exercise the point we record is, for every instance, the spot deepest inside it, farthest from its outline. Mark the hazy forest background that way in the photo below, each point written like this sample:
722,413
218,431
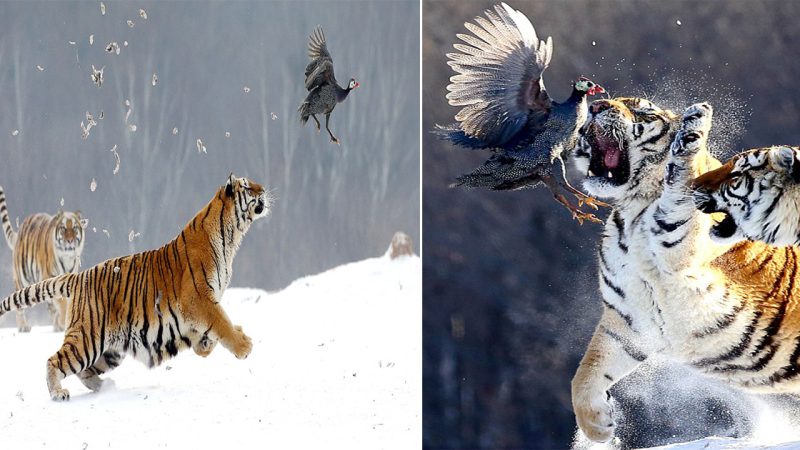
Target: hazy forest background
230,74
510,291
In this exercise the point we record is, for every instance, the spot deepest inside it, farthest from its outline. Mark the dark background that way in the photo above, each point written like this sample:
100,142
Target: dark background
334,204
510,294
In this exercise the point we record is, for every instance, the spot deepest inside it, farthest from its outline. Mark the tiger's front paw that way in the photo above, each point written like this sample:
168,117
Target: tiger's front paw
693,133
594,415
244,345
59,395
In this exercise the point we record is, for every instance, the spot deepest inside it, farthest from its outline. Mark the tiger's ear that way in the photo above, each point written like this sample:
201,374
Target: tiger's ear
229,186
785,160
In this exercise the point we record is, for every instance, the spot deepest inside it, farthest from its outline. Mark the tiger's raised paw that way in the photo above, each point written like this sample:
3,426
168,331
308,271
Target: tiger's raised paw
692,135
59,395
244,344
594,417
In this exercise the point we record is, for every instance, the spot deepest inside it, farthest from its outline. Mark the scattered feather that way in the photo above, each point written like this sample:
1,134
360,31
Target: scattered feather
112,47
62,201
227,134
175,130
155,79
39,66
15,132
91,39
102,9
116,159
102,114
124,44
97,75
201,148
132,127
108,235
246,89
94,229
132,236
678,22
273,115
130,23
143,14
71,42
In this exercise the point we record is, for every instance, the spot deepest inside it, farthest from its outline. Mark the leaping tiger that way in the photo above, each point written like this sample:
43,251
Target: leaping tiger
156,303
44,247
728,310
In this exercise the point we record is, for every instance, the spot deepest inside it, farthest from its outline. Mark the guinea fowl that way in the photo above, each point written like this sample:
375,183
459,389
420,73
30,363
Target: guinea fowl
323,90
505,108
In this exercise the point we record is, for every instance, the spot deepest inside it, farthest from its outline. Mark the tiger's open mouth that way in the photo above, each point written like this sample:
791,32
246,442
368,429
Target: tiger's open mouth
724,226
609,160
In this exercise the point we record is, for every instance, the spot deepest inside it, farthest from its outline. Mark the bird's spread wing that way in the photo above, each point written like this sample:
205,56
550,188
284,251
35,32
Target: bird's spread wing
317,46
322,73
499,83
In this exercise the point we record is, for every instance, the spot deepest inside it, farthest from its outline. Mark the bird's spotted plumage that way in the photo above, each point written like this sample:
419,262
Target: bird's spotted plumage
505,107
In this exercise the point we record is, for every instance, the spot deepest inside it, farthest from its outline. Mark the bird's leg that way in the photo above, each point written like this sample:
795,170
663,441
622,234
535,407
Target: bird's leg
333,138
556,188
582,198
315,120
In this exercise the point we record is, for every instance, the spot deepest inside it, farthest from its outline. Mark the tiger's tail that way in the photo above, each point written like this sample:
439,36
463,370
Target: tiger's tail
47,290
11,235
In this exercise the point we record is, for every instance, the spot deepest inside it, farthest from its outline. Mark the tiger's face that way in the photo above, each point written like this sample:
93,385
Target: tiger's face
756,192
623,145
69,232
250,199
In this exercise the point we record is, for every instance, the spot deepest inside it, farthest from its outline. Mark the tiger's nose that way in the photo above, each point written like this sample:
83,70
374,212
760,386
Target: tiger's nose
599,106
259,207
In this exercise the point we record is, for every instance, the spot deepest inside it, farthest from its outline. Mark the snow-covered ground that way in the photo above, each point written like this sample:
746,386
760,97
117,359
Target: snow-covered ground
336,363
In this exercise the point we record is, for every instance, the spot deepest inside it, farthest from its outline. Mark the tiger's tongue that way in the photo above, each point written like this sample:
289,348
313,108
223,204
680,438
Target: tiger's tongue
611,158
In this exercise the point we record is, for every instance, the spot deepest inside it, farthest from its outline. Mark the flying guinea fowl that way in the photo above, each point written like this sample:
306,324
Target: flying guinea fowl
323,90
505,108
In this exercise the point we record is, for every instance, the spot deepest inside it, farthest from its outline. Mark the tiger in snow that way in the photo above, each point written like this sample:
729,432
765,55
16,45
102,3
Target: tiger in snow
44,246
668,287
155,303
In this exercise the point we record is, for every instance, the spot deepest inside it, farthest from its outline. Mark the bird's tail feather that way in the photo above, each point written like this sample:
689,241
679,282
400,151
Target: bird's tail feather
456,135
304,112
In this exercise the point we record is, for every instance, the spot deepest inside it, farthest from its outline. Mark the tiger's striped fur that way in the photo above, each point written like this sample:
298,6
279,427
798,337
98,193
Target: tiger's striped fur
45,246
667,287
758,192
156,303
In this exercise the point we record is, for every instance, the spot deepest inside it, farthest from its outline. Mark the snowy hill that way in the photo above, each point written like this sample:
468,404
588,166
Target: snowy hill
335,364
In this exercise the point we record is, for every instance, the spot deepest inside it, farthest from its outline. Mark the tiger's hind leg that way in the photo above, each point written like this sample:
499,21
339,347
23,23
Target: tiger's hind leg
109,361
72,358
22,323
204,346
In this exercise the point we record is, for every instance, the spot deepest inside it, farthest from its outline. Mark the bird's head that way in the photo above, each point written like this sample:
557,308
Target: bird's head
588,86
352,84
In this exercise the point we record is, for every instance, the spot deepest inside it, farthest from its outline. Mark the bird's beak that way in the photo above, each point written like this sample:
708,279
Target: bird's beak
357,85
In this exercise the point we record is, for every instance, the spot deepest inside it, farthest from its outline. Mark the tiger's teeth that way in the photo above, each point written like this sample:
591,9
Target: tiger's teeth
609,174
590,173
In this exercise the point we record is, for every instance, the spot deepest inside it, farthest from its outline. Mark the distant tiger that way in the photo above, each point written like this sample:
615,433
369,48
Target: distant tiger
45,246
759,193
155,303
